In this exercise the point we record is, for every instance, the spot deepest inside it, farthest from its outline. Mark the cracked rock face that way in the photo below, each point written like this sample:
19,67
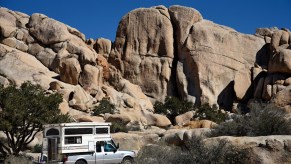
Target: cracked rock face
144,50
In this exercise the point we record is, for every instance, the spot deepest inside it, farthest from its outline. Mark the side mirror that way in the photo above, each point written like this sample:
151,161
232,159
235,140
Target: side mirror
117,146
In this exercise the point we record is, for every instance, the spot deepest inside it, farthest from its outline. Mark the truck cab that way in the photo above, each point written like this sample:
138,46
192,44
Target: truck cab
106,152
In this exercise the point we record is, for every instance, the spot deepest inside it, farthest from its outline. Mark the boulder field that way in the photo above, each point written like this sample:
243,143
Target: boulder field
157,52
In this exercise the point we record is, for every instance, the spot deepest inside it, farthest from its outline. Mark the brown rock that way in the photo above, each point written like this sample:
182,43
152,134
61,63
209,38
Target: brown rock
4,81
275,42
183,118
144,55
200,124
8,23
55,85
19,67
242,82
64,107
101,61
131,141
183,18
103,46
47,30
210,57
46,57
70,71
287,81
283,97
280,63
91,76
87,118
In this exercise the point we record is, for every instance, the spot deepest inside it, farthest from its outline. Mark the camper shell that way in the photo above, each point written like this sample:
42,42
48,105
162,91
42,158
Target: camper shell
70,138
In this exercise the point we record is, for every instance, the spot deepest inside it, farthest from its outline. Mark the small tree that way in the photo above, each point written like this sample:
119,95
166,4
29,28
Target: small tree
212,113
173,107
23,112
104,107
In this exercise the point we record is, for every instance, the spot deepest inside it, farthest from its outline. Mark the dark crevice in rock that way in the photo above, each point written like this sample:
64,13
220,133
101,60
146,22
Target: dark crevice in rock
172,86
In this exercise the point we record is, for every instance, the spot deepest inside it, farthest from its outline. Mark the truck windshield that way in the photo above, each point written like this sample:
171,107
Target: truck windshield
112,142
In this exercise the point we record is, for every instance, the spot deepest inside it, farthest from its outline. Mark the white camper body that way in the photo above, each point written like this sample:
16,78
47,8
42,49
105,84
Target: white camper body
68,138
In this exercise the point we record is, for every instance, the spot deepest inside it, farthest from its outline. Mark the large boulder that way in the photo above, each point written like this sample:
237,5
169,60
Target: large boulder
281,62
144,50
70,71
209,60
47,30
19,67
91,76
103,46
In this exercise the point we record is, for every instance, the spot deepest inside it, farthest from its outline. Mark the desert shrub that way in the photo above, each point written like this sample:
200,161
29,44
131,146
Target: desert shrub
173,107
104,107
12,159
37,148
193,152
118,126
210,113
264,119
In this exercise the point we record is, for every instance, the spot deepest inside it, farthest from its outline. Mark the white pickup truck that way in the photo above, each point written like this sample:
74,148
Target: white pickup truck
82,143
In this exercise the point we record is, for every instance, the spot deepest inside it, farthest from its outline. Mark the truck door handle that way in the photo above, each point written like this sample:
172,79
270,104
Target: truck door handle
105,153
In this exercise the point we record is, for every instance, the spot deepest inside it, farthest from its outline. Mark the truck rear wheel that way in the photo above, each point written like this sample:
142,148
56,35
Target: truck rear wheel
80,162
127,160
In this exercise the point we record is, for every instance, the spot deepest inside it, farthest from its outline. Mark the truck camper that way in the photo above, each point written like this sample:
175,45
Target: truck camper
82,143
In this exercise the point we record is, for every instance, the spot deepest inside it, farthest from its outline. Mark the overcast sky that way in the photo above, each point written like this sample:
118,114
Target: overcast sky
100,18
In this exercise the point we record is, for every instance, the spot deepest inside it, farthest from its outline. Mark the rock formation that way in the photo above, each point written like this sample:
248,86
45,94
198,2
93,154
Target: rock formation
157,52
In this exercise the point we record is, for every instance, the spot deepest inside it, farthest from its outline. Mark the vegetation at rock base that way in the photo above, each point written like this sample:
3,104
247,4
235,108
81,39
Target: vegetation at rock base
193,152
263,119
208,112
24,111
118,126
104,107
173,107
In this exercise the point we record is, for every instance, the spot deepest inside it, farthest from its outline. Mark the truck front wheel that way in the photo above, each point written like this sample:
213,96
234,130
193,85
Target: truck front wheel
127,160
81,162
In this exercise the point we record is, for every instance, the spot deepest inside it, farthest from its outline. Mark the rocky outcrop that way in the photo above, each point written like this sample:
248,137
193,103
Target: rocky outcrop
158,52
144,50
58,57
273,83
211,57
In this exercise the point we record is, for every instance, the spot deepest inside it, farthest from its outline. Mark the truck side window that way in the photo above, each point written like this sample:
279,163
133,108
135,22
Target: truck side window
108,148
98,147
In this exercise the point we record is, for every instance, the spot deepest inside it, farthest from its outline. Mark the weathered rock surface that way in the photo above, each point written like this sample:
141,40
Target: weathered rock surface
210,58
143,50
158,52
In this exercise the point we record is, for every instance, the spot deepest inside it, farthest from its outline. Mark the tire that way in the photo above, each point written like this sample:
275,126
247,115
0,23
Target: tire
127,160
80,162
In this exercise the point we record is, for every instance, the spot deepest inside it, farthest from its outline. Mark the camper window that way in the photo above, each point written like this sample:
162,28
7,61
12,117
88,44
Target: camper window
52,132
74,131
101,130
73,140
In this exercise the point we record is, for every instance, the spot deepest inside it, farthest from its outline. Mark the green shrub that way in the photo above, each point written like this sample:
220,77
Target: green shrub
210,113
264,119
193,152
118,126
104,107
37,148
11,159
173,107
